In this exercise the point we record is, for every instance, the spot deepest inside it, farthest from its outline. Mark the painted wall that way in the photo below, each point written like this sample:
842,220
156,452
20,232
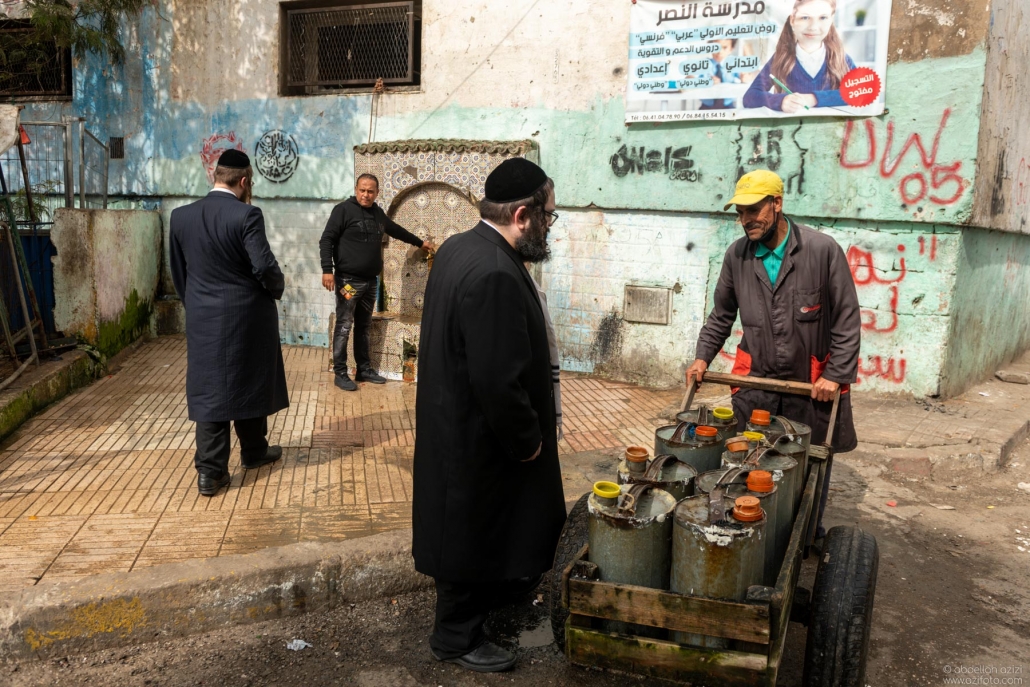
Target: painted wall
106,274
989,325
634,197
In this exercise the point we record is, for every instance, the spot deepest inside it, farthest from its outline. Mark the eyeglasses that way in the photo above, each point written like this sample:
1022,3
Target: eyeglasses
552,217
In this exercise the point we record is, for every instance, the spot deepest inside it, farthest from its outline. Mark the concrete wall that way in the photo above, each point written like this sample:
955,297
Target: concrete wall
554,73
106,274
1003,183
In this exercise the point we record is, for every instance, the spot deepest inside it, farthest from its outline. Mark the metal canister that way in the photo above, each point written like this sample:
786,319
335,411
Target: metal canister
697,445
668,473
634,463
629,534
723,419
706,481
785,471
778,512
718,561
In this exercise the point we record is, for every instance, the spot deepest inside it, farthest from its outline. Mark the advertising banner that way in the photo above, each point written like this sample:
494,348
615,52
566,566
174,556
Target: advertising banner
761,59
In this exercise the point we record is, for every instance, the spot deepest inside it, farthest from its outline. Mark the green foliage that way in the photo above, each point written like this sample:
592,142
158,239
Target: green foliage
89,26
85,27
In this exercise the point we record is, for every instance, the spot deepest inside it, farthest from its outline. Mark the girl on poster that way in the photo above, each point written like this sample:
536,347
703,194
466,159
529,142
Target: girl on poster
809,60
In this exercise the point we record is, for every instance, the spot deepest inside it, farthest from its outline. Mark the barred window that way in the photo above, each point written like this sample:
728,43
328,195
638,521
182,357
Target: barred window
342,46
30,70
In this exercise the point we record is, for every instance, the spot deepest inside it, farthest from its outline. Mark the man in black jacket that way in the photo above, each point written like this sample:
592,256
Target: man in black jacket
351,252
224,272
488,504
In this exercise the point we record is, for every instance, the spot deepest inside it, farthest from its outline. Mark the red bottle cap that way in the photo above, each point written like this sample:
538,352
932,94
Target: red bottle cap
705,431
747,509
636,454
760,481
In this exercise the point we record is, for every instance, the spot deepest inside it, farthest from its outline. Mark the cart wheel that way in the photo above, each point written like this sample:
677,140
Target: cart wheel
842,610
573,538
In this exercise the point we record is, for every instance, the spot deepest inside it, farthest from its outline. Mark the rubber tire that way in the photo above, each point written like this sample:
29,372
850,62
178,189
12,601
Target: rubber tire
842,610
573,538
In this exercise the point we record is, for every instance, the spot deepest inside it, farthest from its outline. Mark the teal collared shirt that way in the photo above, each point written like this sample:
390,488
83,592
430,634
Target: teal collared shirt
773,259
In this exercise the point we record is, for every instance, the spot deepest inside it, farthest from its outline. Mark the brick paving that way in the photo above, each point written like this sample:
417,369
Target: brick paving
103,481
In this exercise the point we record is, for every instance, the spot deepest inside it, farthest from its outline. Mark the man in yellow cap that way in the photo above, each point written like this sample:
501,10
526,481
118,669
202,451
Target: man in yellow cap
798,308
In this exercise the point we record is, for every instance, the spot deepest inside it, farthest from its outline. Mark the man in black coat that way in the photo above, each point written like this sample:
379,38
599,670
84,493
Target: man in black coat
488,503
351,252
228,280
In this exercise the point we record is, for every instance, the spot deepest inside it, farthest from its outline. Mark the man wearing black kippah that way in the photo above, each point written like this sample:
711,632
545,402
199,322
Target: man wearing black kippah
224,272
488,504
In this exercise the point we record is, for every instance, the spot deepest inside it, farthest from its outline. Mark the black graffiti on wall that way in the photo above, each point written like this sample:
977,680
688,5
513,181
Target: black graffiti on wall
276,156
675,162
768,149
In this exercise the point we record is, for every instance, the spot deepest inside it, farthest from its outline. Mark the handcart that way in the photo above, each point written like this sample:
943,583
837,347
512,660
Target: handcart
837,611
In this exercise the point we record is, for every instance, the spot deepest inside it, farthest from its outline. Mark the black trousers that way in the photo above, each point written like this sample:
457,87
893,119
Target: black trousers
353,313
213,442
462,608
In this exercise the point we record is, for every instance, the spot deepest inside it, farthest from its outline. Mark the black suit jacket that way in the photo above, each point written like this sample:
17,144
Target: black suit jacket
224,272
484,404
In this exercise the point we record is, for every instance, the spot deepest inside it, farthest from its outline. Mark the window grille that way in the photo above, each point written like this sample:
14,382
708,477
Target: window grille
31,70
350,46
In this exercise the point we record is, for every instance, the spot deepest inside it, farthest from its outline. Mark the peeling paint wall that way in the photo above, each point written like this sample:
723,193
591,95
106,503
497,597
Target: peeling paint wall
106,274
633,198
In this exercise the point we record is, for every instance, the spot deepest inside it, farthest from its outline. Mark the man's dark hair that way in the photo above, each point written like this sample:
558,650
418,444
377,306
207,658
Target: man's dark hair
230,176
366,175
504,213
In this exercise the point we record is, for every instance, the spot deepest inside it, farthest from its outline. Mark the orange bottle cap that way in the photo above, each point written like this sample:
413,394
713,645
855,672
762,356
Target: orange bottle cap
736,444
760,481
760,417
705,431
636,454
747,509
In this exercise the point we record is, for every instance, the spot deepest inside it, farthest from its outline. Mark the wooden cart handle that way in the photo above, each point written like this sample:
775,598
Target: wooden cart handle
782,386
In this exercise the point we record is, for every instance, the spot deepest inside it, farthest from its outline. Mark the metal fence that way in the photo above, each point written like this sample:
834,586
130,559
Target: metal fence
351,46
66,166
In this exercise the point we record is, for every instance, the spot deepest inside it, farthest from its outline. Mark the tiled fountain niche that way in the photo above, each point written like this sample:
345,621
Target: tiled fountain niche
431,188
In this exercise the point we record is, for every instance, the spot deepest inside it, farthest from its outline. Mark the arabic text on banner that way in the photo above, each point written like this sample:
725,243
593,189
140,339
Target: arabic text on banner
761,59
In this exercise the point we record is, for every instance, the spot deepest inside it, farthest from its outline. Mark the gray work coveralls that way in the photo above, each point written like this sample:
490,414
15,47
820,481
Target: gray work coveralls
806,326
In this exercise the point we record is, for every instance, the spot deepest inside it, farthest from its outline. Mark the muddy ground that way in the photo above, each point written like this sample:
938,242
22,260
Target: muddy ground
953,597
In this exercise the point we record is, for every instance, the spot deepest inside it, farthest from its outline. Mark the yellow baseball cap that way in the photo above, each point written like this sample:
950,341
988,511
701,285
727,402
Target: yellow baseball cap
754,186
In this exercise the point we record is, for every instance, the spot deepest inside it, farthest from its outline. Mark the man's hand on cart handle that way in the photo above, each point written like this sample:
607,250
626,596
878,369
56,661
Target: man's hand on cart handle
696,372
823,389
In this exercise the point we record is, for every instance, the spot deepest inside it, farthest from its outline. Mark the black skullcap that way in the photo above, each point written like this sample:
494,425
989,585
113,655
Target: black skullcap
514,179
234,159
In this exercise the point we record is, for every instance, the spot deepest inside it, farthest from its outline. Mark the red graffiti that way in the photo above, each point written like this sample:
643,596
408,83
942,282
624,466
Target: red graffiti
933,247
728,356
891,369
915,187
863,270
213,146
869,320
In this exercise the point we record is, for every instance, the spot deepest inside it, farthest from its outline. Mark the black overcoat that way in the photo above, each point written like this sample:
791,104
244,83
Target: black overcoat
484,404
224,272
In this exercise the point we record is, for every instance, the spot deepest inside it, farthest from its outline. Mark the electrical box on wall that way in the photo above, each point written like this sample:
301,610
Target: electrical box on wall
647,304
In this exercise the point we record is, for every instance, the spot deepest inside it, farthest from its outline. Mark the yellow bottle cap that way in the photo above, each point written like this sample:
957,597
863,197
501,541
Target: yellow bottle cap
723,413
606,490
754,436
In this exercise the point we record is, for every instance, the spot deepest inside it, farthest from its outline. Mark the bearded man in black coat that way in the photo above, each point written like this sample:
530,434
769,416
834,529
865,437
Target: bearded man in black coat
224,272
488,503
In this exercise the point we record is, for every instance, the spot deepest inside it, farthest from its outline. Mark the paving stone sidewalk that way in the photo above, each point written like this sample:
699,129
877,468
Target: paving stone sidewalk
103,481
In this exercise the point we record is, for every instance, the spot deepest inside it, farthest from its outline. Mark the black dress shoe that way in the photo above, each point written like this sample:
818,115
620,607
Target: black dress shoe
273,454
369,375
486,658
209,486
344,382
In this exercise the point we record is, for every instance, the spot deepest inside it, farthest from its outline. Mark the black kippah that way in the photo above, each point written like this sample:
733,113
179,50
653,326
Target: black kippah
514,179
234,159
